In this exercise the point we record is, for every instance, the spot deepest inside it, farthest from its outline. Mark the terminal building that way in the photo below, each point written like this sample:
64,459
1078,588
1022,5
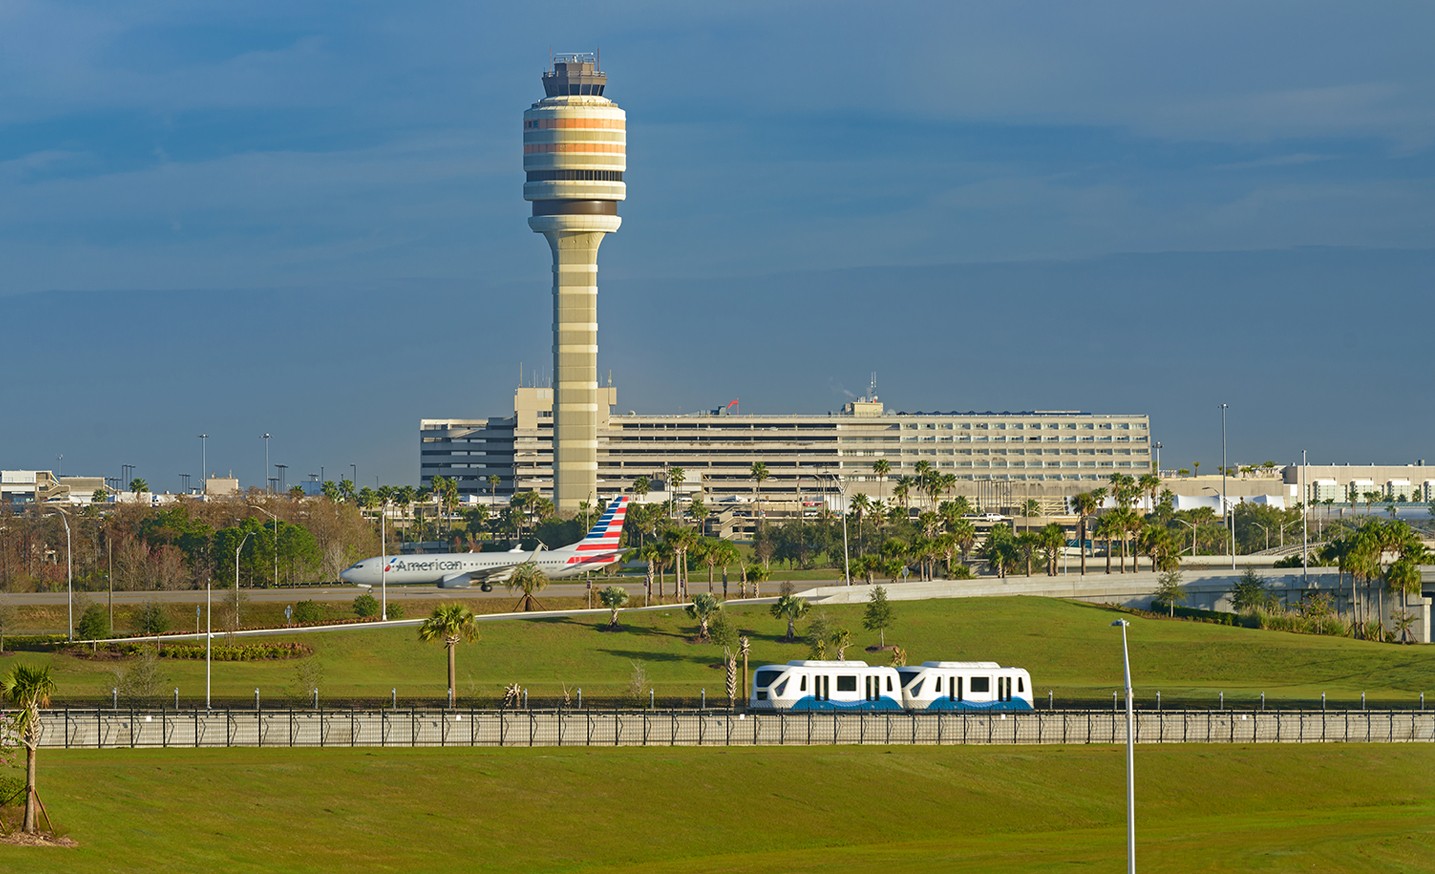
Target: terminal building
997,459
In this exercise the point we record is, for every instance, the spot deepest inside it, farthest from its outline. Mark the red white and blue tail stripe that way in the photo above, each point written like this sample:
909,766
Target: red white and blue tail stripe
603,542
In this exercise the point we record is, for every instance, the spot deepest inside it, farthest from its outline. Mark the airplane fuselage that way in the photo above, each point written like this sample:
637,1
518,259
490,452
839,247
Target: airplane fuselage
433,569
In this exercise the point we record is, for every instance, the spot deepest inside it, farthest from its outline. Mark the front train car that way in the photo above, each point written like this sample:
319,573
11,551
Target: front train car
965,686
825,685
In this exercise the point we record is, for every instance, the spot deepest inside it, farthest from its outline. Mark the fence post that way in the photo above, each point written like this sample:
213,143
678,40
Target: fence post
1158,700
256,697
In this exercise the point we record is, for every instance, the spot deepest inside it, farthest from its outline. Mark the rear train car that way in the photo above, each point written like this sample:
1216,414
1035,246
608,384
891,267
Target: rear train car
825,685
965,686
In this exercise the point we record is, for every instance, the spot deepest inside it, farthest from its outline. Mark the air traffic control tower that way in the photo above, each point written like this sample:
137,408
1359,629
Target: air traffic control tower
574,154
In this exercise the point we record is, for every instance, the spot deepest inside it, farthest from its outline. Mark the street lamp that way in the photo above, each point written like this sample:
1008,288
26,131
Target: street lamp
1267,533
266,458
203,462
846,561
384,562
247,535
276,542
1130,755
1158,445
69,573
1192,526
1231,523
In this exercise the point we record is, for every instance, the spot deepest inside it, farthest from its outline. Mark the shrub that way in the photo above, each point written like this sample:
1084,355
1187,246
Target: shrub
396,611
12,790
366,606
308,613
151,618
94,623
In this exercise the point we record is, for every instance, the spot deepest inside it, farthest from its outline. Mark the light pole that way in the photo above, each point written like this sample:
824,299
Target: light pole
1157,446
281,468
209,620
265,479
846,561
1192,526
1130,755
69,573
203,463
1304,525
1230,523
355,480
1267,533
276,542
247,535
384,562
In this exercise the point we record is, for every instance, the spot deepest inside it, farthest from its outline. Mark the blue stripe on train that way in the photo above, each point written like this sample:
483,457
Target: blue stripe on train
946,704
810,703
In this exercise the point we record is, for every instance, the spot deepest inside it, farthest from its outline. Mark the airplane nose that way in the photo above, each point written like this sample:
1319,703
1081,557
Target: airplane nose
345,575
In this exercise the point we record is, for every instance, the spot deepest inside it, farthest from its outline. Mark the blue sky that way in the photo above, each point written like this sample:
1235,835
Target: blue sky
306,219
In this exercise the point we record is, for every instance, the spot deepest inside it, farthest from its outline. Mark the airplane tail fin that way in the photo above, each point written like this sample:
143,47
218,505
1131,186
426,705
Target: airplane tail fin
606,534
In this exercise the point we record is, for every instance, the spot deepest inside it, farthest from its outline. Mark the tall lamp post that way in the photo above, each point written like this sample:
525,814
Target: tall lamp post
846,561
1192,526
203,462
1225,507
69,573
1130,755
265,479
240,548
384,562
276,542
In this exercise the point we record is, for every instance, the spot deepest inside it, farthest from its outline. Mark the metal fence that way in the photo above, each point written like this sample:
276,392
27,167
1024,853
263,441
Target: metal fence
102,728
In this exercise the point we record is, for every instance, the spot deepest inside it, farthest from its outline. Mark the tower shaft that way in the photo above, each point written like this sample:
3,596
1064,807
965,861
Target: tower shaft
574,154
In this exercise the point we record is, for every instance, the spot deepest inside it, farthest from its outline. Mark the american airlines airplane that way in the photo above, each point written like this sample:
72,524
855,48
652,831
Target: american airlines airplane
456,570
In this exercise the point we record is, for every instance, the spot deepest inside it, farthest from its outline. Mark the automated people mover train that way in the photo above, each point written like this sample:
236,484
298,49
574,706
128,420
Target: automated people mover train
934,686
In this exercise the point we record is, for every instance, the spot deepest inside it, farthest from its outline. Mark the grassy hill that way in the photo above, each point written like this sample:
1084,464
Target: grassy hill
1069,648
1347,808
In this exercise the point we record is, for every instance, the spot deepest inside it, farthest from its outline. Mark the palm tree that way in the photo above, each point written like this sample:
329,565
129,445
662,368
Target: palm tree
530,580
881,468
757,475
676,477
964,535
453,624
139,487
756,574
718,552
29,689
1030,509
791,608
1085,504
493,481
1107,528
703,608
614,598
1150,483
641,486
680,539
1052,538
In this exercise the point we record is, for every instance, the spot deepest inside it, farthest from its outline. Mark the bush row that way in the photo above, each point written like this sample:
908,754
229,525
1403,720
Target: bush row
243,652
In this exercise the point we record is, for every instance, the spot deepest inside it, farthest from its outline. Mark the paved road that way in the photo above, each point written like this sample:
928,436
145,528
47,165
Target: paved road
344,593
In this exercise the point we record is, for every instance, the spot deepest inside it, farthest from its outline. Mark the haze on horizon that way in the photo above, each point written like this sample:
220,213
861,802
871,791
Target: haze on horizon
308,221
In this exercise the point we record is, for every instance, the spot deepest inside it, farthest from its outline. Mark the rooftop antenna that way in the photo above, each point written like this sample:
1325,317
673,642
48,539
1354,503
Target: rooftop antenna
872,387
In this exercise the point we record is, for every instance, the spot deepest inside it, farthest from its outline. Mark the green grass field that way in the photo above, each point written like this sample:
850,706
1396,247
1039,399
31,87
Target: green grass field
1069,648
1348,808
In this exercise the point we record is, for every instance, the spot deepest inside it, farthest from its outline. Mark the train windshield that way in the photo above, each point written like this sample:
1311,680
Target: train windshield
765,677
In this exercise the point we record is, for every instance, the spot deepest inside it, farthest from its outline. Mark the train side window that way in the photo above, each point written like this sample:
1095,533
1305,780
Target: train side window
1020,684
847,682
981,685
959,688
889,684
802,687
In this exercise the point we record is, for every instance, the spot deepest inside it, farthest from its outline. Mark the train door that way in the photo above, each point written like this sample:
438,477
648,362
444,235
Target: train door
872,689
822,687
1004,688
954,688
